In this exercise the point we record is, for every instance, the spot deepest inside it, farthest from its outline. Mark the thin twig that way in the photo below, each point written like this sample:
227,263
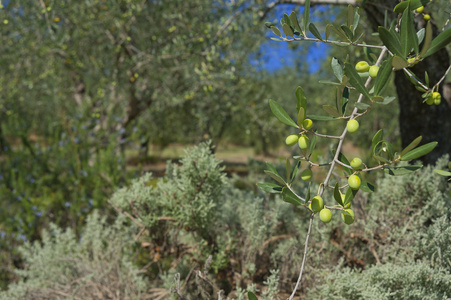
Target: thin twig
444,75
305,256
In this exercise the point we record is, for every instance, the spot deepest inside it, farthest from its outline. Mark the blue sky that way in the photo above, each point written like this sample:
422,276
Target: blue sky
277,55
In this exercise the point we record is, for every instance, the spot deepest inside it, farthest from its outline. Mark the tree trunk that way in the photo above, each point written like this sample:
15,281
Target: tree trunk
417,118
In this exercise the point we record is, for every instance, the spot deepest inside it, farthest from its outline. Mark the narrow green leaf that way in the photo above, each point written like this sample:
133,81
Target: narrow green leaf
400,171
387,100
287,19
412,145
270,188
276,177
355,80
343,159
321,118
442,40
345,100
338,98
349,196
301,116
357,38
420,35
367,187
418,152
361,106
294,21
301,100
356,20
348,32
315,31
308,191
328,28
295,171
269,24
312,145
288,169
289,197
251,296
337,69
287,30
332,111
389,149
350,19
306,14
399,63
271,168
408,35
276,31
339,33
390,40
381,151
427,39
281,114
442,172
426,78
376,139
337,194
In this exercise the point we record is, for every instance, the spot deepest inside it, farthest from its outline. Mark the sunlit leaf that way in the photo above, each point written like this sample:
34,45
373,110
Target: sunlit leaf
442,172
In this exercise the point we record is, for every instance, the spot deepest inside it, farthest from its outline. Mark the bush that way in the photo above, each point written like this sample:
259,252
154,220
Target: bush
98,265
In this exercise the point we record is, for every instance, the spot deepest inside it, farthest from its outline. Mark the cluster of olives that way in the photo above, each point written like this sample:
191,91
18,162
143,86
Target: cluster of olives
434,98
363,66
317,204
325,214
420,11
